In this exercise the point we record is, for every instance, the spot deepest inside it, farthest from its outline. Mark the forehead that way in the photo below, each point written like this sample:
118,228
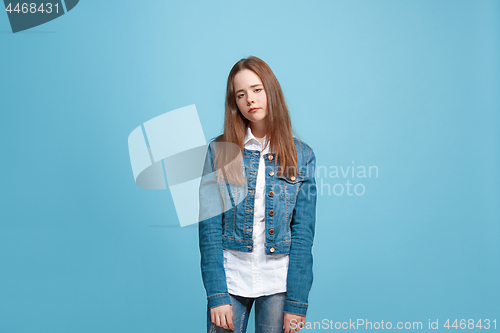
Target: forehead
245,78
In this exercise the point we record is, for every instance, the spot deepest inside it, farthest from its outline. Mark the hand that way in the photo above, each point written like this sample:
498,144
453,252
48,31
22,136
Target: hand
222,316
293,322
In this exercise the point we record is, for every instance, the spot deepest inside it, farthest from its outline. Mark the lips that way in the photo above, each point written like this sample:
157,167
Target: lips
253,110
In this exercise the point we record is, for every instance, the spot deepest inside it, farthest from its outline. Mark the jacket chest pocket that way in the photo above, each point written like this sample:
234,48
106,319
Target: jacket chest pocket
289,188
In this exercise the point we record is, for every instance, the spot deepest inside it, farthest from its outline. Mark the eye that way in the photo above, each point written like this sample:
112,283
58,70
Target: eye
258,90
240,95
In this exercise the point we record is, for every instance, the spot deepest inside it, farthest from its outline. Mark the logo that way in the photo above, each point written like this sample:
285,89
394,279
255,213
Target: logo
170,150
31,13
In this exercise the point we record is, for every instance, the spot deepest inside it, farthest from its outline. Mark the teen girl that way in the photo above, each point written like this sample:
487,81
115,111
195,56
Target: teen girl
257,249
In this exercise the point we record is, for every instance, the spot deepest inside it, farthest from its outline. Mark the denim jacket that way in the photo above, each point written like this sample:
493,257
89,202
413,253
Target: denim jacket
289,218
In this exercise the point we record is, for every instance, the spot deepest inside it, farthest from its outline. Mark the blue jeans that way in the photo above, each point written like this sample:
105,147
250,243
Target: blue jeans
269,314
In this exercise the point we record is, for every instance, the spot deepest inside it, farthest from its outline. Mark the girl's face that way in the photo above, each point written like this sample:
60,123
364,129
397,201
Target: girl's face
250,95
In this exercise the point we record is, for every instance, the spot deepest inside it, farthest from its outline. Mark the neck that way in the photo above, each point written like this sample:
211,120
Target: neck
260,132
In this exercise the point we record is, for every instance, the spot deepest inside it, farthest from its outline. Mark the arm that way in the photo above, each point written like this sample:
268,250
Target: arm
300,274
210,236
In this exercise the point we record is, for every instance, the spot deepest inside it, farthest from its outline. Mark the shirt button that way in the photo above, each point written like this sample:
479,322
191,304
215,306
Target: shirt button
255,264
271,231
270,157
256,196
271,193
271,250
271,173
271,212
253,237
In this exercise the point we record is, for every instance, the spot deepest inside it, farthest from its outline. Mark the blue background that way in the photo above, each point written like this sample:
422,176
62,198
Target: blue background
411,87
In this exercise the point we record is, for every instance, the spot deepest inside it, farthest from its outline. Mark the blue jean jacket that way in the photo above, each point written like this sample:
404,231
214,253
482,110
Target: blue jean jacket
289,217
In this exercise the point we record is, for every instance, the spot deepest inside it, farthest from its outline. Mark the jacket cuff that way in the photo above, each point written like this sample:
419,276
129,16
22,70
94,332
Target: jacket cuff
218,299
296,308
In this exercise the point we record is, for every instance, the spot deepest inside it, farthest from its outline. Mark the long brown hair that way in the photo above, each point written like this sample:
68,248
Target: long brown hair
280,132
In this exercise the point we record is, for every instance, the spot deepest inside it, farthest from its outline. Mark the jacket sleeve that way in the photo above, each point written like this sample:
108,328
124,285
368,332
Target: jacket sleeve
210,236
300,274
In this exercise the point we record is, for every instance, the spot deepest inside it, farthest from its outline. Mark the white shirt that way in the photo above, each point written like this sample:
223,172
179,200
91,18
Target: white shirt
254,274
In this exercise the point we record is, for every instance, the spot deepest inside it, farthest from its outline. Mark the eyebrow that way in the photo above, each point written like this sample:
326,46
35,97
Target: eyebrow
252,86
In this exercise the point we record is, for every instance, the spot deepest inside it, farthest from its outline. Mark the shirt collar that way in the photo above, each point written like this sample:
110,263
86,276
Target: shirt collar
250,141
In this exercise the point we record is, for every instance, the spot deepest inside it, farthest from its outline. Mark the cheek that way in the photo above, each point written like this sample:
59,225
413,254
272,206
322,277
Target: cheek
263,100
238,104
240,107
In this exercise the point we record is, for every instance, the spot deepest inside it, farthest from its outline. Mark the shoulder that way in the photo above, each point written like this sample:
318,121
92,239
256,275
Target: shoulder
305,154
303,147
210,148
214,140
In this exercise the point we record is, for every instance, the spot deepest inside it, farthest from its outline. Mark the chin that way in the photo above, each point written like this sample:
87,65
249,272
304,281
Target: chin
256,119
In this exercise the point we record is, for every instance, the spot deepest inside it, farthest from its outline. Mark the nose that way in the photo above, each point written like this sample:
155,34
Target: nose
250,99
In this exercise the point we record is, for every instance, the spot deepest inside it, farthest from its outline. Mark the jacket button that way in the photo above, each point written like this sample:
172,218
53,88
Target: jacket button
271,193
271,212
271,173
292,178
270,157
271,231
271,250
